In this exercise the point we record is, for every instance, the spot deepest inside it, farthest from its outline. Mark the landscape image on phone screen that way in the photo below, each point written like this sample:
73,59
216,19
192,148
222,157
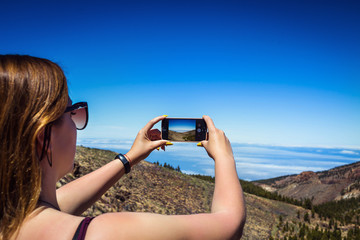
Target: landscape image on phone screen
182,130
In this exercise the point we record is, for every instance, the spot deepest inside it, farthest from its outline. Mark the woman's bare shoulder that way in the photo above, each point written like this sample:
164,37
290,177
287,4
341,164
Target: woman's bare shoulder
47,223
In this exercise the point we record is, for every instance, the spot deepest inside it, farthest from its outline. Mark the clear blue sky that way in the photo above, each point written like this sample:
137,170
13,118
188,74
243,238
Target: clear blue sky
182,125
267,72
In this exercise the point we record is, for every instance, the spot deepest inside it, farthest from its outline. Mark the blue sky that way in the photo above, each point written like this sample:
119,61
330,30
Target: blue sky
182,125
281,73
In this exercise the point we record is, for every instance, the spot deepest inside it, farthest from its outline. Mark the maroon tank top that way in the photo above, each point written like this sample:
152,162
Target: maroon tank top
81,230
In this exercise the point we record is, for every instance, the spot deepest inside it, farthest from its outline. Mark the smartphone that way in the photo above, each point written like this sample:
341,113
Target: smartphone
183,129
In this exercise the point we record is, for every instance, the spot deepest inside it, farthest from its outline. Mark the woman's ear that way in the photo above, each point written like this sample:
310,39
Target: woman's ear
43,143
39,143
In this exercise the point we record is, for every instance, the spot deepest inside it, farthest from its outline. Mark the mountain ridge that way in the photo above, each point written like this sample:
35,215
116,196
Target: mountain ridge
338,183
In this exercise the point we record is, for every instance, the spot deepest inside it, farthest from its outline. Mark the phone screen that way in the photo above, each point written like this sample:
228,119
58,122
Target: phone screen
184,129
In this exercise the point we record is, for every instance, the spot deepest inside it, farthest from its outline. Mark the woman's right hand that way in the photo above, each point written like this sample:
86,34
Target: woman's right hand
146,141
217,145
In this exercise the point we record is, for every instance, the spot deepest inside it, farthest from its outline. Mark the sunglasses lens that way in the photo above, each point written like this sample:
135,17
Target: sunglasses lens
79,116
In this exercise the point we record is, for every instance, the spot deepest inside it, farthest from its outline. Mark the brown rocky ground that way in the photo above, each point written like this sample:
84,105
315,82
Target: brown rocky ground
147,188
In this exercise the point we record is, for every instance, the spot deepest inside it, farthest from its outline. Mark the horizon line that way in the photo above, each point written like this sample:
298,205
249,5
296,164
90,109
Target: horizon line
325,146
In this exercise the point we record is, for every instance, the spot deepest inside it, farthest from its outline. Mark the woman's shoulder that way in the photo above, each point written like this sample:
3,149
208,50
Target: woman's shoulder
51,224
48,223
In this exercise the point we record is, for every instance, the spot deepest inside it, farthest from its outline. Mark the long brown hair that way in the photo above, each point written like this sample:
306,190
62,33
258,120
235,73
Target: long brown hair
33,93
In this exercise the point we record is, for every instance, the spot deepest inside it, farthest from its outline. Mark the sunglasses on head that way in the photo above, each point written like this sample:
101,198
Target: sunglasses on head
79,114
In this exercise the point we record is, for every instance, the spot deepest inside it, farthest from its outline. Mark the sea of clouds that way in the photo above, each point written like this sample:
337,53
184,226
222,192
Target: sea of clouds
253,161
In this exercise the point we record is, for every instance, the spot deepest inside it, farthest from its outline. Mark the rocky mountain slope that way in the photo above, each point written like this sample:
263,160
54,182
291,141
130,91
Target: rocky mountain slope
155,189
182,136
338,183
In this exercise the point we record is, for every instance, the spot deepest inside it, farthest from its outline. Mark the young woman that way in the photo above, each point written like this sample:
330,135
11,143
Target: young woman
38,125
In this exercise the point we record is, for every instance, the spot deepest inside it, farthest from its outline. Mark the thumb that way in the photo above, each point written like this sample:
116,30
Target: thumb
159,143
202,144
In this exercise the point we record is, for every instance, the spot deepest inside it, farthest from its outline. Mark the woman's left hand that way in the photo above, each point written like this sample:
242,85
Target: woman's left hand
146,141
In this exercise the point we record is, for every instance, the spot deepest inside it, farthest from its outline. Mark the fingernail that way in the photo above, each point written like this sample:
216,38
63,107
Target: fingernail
199,144
169,143
165,115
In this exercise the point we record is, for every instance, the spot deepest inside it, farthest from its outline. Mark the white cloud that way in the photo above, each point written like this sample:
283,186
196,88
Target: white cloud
254,174
111,144
289,153
209,171
297,145
282,168
349,152
189,172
